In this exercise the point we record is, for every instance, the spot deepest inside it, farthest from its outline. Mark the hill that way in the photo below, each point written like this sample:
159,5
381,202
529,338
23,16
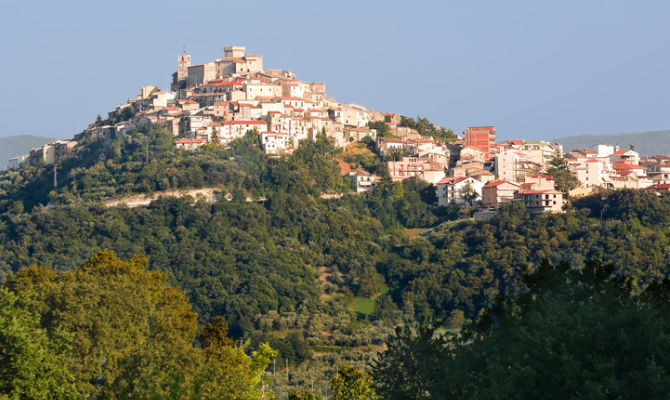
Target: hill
324,281
645,143
12,146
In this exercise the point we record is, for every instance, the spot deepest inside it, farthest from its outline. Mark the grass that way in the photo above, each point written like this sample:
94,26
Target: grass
413,232
363,305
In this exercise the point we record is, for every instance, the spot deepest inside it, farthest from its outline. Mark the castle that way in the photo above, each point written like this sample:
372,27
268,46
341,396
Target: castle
234,62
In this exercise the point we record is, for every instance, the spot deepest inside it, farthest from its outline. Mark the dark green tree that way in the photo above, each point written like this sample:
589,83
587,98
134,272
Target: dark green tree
560,171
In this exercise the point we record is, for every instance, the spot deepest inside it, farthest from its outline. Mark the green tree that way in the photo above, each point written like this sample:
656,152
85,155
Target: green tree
31,363
468,194
295,394
575,333
350,383
560,171
111,329
407,368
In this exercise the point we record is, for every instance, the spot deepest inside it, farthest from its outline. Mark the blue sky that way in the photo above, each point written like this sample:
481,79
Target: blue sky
535,69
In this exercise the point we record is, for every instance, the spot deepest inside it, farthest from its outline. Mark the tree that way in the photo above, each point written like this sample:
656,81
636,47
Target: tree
407,367
575,333
468,194
381,127
31,364
350,383
111,329
295,394
560,171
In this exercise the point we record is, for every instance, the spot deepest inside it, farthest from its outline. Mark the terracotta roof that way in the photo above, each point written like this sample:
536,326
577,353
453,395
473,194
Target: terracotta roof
245,123
452,180
191,140
498,183
628,166
530,191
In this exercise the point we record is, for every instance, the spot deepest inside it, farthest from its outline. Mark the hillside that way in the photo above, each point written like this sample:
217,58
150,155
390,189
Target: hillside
12,146
645,143
323,281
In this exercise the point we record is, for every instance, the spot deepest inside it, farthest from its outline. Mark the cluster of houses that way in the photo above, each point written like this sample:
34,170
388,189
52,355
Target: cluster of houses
477,171
224,99
47,154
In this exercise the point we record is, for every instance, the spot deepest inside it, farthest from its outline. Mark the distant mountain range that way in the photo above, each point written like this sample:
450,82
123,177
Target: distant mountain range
645,143
12,146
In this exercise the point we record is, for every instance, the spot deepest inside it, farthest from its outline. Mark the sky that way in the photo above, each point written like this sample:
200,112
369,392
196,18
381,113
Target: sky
534,69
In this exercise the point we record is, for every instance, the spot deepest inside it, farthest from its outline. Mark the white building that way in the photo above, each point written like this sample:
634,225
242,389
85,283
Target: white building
456,189
274,142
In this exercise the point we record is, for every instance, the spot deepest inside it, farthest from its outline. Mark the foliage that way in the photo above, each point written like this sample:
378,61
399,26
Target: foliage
30,363
576,333
303,395
561,173
410,364
382,128
111,329
351,383
426,128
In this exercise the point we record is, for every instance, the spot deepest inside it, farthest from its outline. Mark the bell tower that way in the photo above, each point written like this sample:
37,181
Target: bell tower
183,62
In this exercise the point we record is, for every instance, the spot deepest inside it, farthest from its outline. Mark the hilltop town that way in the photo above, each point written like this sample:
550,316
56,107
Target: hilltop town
222,100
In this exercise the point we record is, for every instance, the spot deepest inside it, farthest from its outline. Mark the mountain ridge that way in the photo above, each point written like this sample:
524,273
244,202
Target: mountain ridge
646,143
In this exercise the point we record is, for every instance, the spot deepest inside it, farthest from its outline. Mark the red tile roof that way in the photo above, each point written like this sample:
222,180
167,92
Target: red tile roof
191,140
498,183
244,123
452,180
628,166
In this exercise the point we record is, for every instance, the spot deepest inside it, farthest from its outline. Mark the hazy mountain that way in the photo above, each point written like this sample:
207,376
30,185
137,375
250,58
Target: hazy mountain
646,143
12,146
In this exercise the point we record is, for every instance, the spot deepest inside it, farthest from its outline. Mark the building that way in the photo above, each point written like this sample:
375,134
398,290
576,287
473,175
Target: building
539,201
460,190
408,167
481,138
362,181
190,143
498,191
15,162
275,142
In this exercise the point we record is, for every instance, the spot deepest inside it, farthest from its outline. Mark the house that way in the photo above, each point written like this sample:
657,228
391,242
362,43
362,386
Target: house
539,201
274,142
15,162
190,143
231,130
512,165
660,188
362,181
625,157
460,190
498,191
408,167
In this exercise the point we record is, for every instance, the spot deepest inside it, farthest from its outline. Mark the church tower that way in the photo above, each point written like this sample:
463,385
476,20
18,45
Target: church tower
183,62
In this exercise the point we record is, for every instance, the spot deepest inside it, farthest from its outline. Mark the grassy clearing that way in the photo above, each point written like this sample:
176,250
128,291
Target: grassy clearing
363,305
413,232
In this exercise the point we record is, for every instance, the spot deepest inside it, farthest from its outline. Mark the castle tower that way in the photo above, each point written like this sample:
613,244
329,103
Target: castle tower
183,62
234,51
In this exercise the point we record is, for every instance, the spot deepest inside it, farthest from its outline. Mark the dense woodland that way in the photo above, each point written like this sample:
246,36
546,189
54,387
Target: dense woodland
323,281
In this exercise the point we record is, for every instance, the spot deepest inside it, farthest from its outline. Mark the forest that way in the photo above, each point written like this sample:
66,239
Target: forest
322,280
